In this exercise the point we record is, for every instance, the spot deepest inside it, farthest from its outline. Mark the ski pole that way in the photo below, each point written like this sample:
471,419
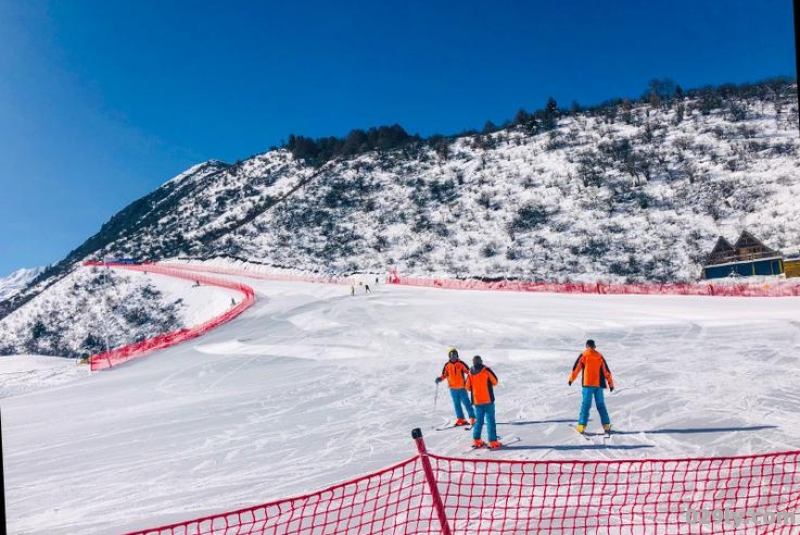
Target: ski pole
435,398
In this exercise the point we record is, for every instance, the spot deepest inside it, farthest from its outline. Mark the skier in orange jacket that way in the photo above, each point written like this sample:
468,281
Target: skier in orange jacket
481,383
596,376
456,372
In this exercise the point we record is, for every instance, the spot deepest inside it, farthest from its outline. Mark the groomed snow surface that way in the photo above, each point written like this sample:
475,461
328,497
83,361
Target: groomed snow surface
312,386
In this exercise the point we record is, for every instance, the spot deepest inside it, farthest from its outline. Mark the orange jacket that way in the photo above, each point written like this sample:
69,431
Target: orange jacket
456,373
481,384
595,369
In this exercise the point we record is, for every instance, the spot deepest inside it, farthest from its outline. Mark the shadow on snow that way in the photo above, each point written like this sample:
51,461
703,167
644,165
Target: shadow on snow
565,447
675,431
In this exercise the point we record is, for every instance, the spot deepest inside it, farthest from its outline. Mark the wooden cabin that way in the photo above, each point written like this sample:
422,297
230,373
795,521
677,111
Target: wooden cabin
747,257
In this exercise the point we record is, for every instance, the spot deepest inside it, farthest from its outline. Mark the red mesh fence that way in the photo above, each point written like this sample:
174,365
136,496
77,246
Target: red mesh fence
659,497
735,495
119,355
773,289
778,288
395,500
255,273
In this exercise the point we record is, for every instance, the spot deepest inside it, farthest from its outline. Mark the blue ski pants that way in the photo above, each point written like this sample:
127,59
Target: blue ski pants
485,412
460,397
595,392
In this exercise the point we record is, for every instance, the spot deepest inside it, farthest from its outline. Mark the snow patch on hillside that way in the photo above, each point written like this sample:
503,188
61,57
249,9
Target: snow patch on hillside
209,166
94,308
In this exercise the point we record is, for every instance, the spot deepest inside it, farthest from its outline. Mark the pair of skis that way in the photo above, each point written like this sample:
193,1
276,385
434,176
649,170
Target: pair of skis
485,446
587,435
506,442
466,427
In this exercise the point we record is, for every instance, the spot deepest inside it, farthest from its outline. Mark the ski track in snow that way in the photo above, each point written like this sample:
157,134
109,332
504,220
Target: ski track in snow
312,386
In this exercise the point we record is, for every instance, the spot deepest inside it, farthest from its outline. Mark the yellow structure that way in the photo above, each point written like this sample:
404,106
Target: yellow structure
792,268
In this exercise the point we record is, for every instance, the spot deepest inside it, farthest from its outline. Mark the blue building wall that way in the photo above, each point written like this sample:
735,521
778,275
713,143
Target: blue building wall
768,266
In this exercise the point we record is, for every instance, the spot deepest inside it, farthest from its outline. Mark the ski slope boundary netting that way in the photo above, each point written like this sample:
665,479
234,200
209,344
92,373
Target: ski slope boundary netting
429,494
255,273
618,497
122,354
777,288
774,289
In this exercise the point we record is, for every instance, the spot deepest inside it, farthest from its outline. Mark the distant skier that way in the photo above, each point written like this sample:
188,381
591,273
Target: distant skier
481,383
596,374
366,289
352,289
456,372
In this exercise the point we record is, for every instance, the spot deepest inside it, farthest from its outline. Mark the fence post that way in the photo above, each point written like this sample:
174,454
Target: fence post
416,434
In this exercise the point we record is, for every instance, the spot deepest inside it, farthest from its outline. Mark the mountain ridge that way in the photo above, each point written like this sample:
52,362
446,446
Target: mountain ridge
624,192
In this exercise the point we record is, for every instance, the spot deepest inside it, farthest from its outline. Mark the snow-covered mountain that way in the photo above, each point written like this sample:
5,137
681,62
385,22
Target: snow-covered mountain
632,191
14,283
624,191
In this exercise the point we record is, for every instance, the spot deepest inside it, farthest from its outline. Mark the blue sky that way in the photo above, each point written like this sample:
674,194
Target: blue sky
101,102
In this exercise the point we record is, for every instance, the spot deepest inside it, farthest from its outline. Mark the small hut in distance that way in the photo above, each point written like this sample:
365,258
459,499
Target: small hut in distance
747,257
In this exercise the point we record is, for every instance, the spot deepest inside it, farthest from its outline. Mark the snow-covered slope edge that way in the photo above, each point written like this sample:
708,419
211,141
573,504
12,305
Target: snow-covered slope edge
93,308
757,286
25,373
246,298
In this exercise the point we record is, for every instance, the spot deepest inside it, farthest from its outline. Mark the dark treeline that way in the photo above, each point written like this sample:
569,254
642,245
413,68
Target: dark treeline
321,150
662,93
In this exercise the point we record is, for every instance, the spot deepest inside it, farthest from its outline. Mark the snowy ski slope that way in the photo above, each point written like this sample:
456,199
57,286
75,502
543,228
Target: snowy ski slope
312,386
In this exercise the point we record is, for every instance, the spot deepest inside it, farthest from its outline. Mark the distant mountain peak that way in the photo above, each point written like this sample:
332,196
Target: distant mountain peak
14,283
